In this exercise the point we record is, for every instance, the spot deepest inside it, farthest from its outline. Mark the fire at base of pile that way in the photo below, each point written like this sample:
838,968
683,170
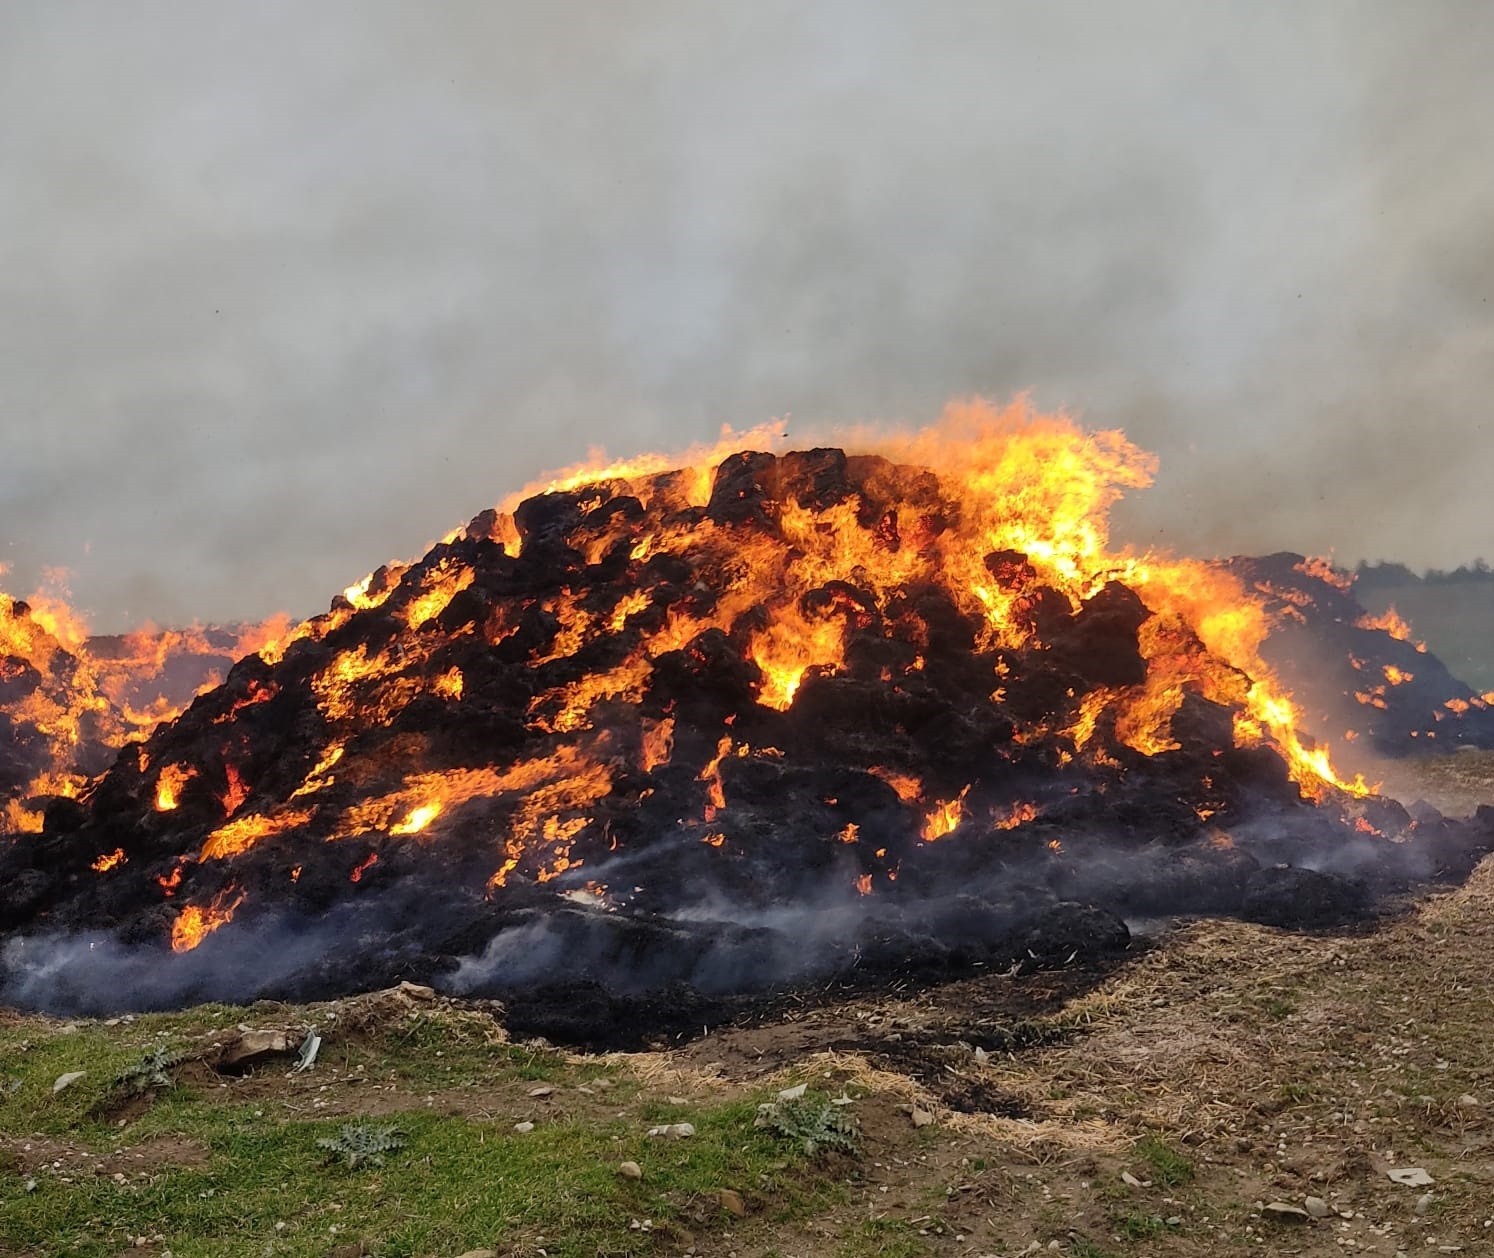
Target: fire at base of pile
659,743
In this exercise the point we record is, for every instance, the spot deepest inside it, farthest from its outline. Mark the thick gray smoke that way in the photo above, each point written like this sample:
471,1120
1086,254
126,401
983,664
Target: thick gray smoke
288,289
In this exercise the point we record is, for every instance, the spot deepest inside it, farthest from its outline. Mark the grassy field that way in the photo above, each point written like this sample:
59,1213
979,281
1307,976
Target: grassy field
1455,620
225,1165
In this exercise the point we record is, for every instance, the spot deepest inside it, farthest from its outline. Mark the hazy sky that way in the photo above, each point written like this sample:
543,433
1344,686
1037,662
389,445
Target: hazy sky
289,289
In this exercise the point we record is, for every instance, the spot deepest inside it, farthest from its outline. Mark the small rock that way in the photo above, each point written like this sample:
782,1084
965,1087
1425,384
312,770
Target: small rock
542,1091
1130,1180
732,1203
678,1100
675,1131
67,1080
1285,1212
921,1117
418,991
630,1170
250,1046
523,1128
1317,1207
793,1094
1423,1203
1410,1176
1468,1101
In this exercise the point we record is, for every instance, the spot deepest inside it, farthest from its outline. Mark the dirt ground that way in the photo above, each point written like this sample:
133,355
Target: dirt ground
1228,1069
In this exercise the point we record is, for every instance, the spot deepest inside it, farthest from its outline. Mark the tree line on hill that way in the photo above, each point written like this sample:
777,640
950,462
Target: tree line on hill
1367,575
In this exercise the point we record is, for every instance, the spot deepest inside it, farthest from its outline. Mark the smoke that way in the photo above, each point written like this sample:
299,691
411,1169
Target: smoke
288,290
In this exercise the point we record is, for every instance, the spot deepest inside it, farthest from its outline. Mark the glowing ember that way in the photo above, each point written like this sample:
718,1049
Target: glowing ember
170,882
909,789
1020,815
112,860
236,793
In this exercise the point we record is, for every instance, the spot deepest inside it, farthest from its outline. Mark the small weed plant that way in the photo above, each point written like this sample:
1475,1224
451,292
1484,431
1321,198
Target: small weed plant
812,1123
1169,1168
151,1071
359,1144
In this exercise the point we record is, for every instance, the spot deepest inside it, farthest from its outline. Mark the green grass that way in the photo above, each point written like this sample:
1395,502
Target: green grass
264,1188
1169,1168
884,1238
1138,1226
1295,1093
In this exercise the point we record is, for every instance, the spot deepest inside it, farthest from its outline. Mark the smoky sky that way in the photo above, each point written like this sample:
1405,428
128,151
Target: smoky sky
287,290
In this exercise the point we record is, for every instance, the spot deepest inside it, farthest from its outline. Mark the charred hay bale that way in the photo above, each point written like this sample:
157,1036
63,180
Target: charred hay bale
1068,933
745,487
17,679
962,932
1202,878
584,1014
814,478
709,675
1303,899
1099,642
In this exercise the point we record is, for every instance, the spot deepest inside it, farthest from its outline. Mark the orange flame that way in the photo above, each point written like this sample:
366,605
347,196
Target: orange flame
170,882
944,817
1389,621
169,785
112,860
1019,815
196,922
237,792
242,833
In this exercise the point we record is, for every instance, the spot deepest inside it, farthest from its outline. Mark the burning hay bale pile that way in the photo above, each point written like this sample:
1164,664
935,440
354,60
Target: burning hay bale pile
664,739
1362,681
69,701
